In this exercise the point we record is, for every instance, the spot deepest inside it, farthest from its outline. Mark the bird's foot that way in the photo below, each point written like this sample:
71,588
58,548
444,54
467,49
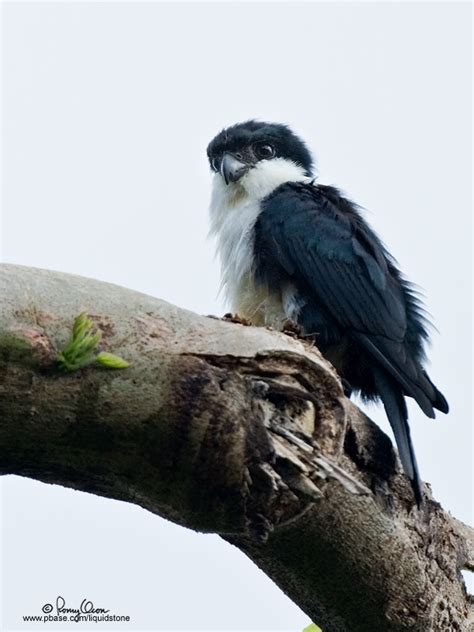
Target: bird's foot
235,318
290,328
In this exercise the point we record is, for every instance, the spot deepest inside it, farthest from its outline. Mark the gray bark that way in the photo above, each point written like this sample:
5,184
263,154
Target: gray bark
234,430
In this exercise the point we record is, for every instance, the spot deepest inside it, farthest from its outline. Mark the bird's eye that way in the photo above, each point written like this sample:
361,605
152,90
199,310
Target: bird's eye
264,150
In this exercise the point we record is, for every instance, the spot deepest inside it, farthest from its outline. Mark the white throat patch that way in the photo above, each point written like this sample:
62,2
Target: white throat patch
234,210
267,175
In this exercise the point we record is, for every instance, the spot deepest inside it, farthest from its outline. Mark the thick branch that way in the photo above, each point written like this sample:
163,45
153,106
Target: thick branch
234,430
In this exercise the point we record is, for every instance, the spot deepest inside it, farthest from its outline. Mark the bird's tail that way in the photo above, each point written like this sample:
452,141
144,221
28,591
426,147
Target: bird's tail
439,400
396,409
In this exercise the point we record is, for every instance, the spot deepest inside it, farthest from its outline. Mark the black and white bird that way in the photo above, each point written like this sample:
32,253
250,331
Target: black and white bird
292,249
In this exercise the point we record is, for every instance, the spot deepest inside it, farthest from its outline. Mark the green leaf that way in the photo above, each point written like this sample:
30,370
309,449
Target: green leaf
81,324
82,348
312,628
68,361
111,361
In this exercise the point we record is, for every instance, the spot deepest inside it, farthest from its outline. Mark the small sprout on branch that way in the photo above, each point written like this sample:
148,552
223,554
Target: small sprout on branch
111,361
82,348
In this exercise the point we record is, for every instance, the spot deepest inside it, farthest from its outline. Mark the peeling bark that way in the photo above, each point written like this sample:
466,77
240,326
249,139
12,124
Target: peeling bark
234,430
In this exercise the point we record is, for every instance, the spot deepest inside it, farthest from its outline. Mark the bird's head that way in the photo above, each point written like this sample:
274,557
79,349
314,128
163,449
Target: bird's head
258,154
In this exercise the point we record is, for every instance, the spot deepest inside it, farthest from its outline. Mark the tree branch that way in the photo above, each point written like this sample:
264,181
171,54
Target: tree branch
234,430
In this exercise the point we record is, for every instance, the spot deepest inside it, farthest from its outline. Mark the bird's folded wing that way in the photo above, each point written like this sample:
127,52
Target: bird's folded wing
316,243
346,272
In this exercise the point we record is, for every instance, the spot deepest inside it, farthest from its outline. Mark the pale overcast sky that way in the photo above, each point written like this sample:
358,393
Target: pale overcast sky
108,109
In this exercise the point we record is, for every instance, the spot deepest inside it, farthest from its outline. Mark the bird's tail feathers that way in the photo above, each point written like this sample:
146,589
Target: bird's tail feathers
439,401
396,409
415,382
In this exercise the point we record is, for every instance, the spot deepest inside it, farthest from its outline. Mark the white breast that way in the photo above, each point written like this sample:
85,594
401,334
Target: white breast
234,211
233,217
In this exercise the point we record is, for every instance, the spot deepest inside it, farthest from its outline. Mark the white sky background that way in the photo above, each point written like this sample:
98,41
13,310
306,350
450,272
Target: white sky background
108,109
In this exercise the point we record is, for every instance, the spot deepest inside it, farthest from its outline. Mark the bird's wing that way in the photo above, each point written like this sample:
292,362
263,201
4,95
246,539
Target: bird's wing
313,240
344,265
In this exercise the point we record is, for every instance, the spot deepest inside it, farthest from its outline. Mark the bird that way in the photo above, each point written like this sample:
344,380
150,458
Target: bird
294,250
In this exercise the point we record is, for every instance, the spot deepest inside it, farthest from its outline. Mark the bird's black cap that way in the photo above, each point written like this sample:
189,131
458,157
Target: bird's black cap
286,143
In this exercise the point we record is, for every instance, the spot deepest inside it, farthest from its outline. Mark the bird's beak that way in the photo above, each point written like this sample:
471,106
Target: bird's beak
232,169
